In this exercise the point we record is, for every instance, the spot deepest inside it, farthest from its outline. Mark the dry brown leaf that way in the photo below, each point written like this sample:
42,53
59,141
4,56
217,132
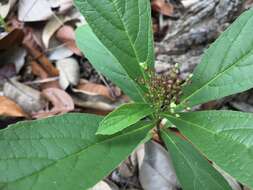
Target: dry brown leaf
12,38
50,28
55,23
27,98
66,34
96,96
32,47
61,101
96,111
96,102
59,98
162,7
10,108
38,71
94,89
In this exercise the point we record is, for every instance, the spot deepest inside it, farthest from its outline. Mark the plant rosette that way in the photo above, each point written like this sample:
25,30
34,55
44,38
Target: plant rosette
75,151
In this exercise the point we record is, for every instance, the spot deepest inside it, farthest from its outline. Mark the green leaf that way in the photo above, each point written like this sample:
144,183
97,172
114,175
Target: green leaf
104,62
124,28
225,137
226,67
193,170
62,152
123,117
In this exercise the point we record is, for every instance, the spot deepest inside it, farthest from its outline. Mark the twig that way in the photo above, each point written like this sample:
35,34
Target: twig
107,85
42,81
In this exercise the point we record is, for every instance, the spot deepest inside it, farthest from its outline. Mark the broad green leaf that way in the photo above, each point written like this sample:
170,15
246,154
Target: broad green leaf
104,62
124,28
226,67
225,137
123,117
62,153
193,170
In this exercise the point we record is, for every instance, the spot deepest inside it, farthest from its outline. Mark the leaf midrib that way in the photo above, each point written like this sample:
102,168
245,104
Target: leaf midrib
209,131
123,74
80,152
188,162
224,71
124,26
224,137
129,38
182,155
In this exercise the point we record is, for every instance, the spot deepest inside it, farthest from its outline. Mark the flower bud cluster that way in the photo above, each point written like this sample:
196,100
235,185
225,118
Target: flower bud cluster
165,89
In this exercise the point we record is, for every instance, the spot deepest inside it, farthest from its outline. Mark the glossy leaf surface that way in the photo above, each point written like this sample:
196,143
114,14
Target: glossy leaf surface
225,137
62,153
226,67
106,63
124,28
123,117
193,170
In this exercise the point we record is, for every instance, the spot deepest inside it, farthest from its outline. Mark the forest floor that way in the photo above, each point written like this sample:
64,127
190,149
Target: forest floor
43,73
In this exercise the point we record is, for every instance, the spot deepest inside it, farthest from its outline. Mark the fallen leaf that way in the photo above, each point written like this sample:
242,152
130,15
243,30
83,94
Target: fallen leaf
66,35
104,185
11,39
69,72
35,36
7,71
27,98
50,28
38,10
55,23
155,168
10,108
60,52
6,7
35,51
38,71
189,3
96,102
61,101
14,55
163,7
59,98
96,96
94,89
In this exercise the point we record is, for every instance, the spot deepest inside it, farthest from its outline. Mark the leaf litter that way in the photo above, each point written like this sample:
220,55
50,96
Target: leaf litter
43,75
